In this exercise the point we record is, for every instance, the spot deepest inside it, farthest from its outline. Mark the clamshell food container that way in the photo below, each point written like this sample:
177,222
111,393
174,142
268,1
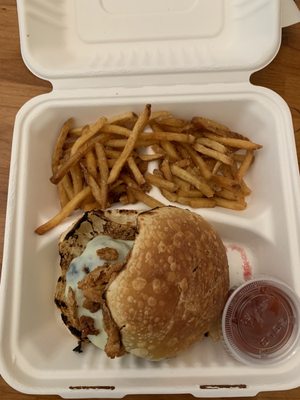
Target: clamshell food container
104,57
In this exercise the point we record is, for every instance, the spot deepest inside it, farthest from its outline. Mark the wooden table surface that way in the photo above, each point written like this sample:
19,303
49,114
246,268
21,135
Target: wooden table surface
17,85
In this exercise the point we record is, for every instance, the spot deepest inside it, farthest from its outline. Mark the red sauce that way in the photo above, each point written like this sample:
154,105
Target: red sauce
247,270
261,320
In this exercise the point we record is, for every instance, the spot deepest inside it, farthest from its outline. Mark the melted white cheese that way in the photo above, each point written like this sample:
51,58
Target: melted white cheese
87,262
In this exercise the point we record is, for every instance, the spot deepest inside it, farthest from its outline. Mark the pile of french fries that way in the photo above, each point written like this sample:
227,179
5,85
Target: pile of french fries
199,163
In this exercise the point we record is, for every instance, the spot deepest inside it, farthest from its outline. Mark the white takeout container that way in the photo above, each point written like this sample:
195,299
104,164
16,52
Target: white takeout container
104,57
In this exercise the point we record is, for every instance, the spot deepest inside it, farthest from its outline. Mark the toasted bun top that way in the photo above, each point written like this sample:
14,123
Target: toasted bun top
174,285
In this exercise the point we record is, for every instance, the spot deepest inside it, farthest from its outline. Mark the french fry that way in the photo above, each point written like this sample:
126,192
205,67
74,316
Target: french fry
58,148
145,198
130,196
210,125
92,183
88,132
170,150
224,182
160,182
157,149
238,205
236,143
135,171
193,193
199,162
63,197
165,169
184,163
116,129
91,206
129,181
169,195
181,183
196,203
198,182
216,167
110,153
159,114
76,175
103,171
81,152
150,157
171,121
245,165
212,144
64,212
121,117
67,184
91,164
213,154
139,126
168,136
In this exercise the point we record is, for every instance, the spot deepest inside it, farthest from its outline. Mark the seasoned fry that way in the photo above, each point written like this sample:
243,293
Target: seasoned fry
193,193
196,203
199,162
209,124
112,153
139,126
122,143
92,183
224,182
87,133
231,204
67,184
169,195
159,114
121,117
64,212
213,153
165,169
116,129
91,206
216,167
57,176
150,157
103,171
91,164
181,183
135,171
145,198
198,182
58,148
236,143
157,149
170,150
160,182
184,163
212,144
168,136
76,175
245,165
63,197
129,181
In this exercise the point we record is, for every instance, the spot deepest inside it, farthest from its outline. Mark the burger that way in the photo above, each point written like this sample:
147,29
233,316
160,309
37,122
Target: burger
147,283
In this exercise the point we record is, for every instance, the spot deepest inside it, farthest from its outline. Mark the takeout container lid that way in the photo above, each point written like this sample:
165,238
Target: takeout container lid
112,53
147,42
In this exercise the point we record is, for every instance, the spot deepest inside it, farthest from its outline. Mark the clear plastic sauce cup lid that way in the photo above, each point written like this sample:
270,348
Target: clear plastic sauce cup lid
260,322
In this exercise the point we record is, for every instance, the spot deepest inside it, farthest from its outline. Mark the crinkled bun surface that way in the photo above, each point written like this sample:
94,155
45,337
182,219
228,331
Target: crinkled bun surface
168,294
174,285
